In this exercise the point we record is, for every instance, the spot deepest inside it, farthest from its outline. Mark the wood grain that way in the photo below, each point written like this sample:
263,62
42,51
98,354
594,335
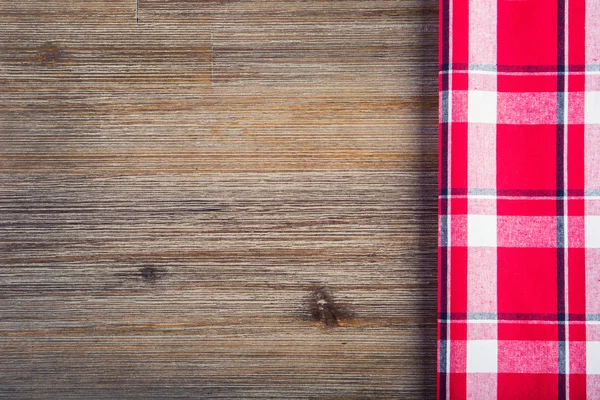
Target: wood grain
218,199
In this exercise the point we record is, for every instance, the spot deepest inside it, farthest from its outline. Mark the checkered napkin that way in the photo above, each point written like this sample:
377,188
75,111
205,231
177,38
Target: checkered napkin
519,200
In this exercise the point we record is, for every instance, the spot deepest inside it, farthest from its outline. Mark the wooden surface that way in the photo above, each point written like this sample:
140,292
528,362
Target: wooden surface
218,199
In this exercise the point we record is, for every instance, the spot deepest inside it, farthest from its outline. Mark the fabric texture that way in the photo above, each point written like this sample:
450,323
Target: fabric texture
519,200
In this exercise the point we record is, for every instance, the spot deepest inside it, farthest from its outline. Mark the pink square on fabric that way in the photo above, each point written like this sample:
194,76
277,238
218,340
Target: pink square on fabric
530,357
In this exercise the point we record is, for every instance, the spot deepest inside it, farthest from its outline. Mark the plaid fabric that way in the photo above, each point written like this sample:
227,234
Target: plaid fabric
519,200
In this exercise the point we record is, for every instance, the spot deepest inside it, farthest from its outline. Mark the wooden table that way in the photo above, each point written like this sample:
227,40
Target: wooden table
218,199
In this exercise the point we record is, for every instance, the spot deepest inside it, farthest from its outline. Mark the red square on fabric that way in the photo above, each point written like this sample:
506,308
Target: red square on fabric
577,386
576,281
527,386
526,83
458,331
527,32
459,205
458,386
460,31
527,280
577,332
576,207
460,80
576,38
458,279
518,330
576,83
576,158
526,207
526,157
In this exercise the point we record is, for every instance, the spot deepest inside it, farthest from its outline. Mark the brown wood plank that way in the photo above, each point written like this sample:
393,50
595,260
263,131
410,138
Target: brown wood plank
58,62
278,12
31,12
228,199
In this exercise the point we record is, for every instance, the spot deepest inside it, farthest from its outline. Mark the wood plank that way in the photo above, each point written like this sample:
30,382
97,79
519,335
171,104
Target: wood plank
228,199
59,62
241,12
233,101
30,12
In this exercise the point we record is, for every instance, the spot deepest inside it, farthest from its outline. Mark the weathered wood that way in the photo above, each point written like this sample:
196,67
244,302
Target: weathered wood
31,12
228,199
